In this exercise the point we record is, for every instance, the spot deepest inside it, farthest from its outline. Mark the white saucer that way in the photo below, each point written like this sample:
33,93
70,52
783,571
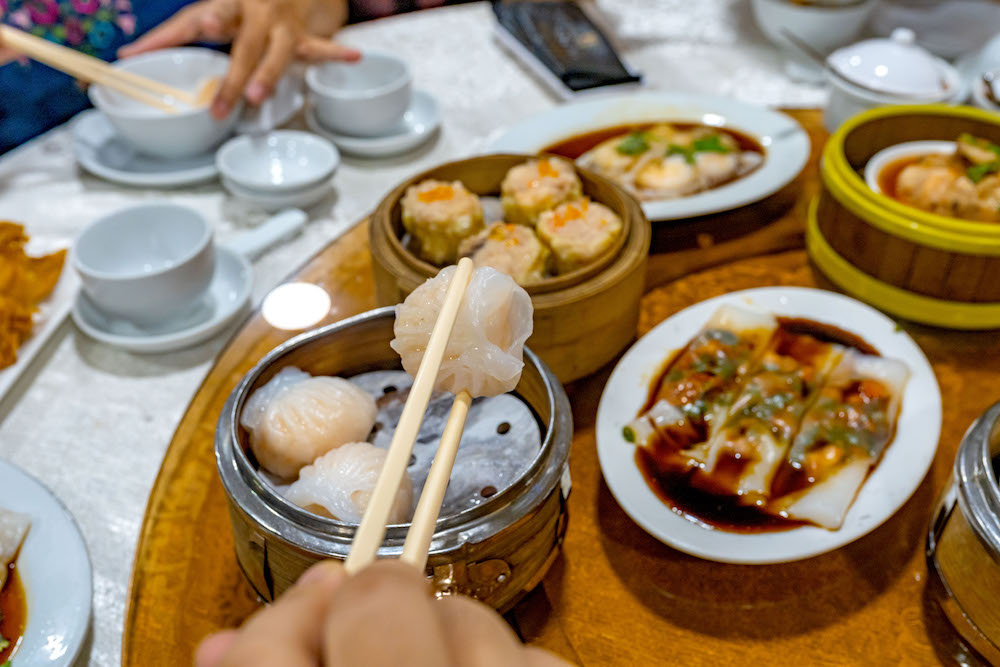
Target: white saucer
101,152
225,300
55,570
417,126
276,201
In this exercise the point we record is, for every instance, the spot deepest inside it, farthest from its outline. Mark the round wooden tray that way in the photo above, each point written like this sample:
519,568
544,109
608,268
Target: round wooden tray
616,596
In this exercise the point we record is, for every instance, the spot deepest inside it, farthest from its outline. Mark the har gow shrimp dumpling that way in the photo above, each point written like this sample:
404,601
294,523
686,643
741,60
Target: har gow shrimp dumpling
341,482
439,216
484,355
536,186
296,418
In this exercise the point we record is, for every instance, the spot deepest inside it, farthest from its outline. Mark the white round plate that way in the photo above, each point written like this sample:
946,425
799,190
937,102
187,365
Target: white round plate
890,484
275,201
278,162
227,297
418,125
888,155
54,569
101,152
785,143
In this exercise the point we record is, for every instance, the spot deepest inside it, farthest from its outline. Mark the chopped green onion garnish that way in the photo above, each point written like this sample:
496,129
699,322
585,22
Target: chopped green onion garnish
634,144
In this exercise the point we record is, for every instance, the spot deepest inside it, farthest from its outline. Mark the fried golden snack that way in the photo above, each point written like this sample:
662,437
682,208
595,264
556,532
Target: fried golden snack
24,283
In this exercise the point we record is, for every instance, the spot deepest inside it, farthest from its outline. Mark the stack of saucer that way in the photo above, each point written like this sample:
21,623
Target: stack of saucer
369,108
282,169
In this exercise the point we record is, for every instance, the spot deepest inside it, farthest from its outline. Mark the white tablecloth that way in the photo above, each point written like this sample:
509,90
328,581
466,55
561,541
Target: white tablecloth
93,422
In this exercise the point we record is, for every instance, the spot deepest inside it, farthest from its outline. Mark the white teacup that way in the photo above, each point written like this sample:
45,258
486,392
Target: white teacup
147,263
190,131
366,98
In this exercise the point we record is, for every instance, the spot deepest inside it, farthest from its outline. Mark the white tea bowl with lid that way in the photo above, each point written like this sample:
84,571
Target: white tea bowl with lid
880,72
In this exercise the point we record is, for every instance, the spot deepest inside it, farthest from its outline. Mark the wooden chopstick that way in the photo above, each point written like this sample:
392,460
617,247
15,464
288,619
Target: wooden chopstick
94,70
370,533
418,539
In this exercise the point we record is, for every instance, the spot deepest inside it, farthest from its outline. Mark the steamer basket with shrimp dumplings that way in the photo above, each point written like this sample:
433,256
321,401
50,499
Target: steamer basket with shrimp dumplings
584,316
495,544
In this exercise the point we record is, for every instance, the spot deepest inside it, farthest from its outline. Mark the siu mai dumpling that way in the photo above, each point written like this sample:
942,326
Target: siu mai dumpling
13,529
484,355
439,216
578,232
508,248
296,418
341,482
536,186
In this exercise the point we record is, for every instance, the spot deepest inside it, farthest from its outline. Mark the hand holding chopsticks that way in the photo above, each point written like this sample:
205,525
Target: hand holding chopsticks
94,70
370,533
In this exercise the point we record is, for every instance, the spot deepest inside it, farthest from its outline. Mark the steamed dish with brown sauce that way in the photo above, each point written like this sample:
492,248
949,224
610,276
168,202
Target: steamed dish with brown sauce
550,228
964,184
13,609
344,426
666,160
765,423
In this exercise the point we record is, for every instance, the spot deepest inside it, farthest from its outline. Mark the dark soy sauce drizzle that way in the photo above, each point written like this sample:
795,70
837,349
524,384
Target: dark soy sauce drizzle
689,492
577,145
13,612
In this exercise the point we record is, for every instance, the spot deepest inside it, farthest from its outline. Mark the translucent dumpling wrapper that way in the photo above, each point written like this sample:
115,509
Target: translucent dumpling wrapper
341,482
484,355
13,529
296,418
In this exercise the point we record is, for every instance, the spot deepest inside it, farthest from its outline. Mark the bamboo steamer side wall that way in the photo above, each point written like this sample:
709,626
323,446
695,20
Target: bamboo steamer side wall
902,263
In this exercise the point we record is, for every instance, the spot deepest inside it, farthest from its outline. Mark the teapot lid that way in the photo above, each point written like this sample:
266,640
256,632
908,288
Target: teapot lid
893,65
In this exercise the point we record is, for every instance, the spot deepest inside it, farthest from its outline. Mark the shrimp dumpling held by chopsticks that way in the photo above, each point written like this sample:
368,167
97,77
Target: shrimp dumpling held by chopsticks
341,482
484,355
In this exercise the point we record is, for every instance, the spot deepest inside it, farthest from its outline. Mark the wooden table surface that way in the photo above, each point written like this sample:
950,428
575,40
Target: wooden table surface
616,596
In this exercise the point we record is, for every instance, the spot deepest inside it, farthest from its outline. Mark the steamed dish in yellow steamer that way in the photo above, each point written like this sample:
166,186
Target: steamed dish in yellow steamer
511,249
537,186
439,216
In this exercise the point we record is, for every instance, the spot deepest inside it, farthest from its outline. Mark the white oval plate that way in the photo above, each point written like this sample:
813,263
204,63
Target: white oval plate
785,142
885,156
54,569
888,487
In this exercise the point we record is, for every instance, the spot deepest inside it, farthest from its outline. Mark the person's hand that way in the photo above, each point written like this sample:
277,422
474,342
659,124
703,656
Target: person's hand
384,615
267,36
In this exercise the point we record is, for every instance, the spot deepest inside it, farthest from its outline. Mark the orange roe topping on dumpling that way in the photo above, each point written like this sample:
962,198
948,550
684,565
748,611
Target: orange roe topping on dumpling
546,169
570,213
439,193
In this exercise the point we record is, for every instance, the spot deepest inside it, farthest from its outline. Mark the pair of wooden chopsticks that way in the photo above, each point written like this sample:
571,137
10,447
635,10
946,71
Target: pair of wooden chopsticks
418,540
94,70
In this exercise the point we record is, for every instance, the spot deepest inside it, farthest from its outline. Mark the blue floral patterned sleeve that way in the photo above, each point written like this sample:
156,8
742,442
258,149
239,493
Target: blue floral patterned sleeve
34,97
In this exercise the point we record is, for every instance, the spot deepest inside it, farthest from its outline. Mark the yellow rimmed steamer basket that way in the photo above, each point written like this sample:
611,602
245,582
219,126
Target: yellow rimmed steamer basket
582,319
919,266
496,551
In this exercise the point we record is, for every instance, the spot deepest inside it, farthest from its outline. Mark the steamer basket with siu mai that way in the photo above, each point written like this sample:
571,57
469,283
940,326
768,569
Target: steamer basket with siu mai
294,501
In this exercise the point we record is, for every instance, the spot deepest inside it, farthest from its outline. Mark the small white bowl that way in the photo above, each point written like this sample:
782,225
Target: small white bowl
279,162
887,156
365,98
823,27
187,133
271,201
146,263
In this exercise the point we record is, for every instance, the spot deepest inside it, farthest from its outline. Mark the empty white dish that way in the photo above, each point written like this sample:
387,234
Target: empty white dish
55,570
103,153
278,162
417,126
363,98
190,131
145,263
276,201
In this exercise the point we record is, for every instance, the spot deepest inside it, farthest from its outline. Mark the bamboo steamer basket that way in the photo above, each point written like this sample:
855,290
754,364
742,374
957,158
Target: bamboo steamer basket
963,542
916,265
582,319
496,551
